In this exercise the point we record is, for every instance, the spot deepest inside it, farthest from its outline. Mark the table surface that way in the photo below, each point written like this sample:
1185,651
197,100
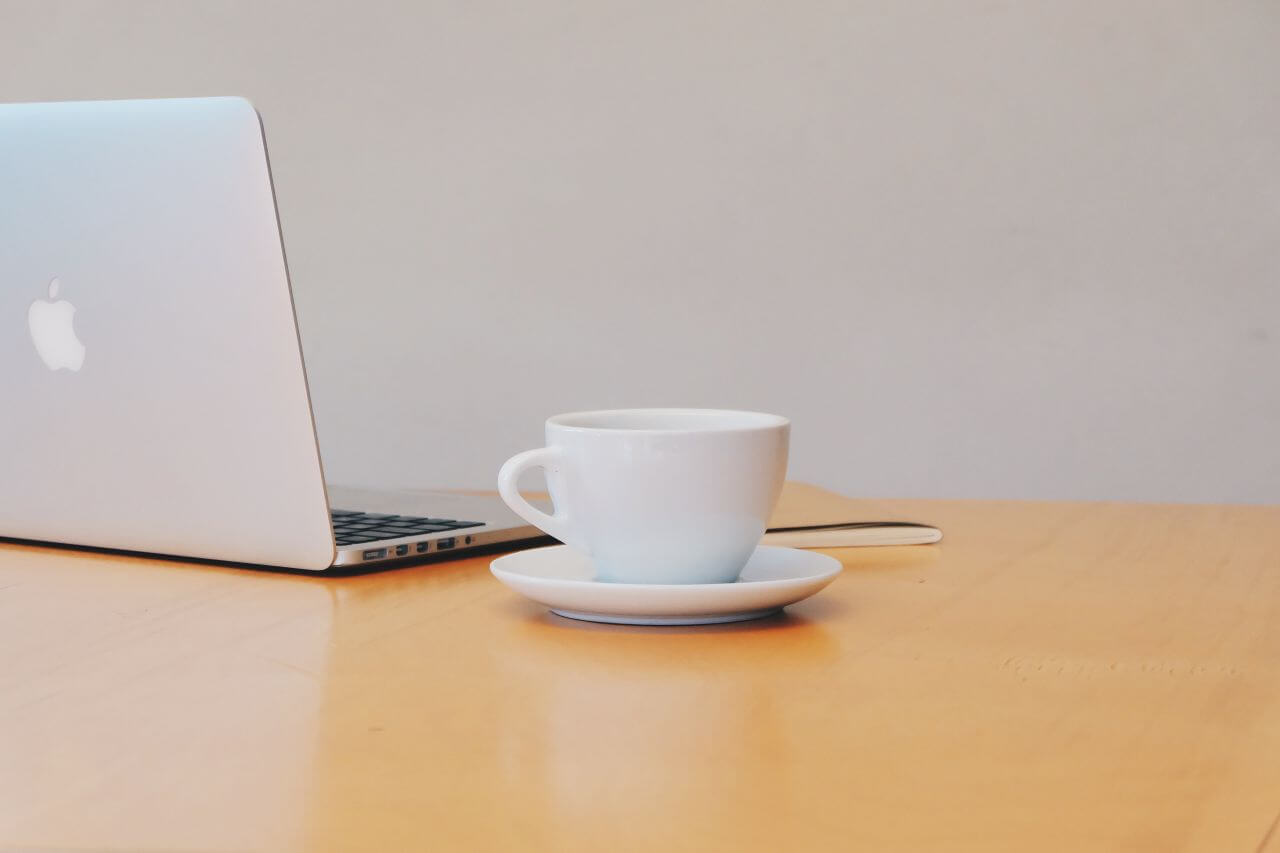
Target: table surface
1073,676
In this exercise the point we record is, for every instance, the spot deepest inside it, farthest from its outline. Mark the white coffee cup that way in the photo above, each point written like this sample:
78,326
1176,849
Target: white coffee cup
657,495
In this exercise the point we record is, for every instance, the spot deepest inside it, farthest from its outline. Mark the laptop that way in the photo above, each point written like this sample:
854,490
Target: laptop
154,396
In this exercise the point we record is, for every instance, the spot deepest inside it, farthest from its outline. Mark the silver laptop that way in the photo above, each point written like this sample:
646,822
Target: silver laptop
153,396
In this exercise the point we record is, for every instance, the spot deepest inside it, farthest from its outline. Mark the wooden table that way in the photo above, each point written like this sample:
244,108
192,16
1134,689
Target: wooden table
1064,676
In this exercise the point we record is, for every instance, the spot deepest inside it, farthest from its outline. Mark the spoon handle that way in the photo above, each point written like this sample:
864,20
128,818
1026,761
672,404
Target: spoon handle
852,534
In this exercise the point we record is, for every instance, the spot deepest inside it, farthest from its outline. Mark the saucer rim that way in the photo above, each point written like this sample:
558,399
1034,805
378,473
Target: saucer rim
834,568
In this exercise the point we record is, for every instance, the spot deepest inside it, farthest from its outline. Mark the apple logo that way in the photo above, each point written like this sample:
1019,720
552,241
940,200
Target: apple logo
53,332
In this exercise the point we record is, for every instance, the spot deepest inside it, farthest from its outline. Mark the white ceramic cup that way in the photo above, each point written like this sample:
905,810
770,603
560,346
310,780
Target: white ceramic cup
657,495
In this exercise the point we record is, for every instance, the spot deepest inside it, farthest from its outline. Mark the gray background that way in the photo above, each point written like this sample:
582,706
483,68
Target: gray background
979,249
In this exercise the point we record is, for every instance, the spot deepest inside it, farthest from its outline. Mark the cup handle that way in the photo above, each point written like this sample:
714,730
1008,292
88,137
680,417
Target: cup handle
549,459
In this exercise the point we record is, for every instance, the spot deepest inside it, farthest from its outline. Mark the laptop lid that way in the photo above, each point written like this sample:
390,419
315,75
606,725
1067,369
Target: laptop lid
154,395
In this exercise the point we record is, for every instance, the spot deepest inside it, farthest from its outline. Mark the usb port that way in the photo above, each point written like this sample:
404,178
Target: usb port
441,544
375,553
423,546
401,550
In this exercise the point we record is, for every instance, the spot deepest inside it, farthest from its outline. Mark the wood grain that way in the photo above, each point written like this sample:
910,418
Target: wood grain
1053,676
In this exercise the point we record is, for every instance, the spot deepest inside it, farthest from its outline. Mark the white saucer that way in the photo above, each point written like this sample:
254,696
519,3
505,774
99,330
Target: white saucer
563,579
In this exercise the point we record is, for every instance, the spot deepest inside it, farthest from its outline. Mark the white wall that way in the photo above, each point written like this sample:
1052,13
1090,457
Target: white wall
972,249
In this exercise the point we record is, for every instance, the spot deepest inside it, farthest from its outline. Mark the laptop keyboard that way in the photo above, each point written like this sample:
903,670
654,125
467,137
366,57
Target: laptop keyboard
354,528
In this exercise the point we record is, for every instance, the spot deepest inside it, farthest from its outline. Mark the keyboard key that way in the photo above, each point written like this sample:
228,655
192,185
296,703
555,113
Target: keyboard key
380,516
458,525
339,513
388,534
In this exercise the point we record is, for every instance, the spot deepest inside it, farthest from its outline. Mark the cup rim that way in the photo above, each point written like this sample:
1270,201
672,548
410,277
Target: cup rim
764,421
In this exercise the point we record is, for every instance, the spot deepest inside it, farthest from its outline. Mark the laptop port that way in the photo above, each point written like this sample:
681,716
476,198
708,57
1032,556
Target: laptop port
401,550
467,541
375,553
423,546
442,544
